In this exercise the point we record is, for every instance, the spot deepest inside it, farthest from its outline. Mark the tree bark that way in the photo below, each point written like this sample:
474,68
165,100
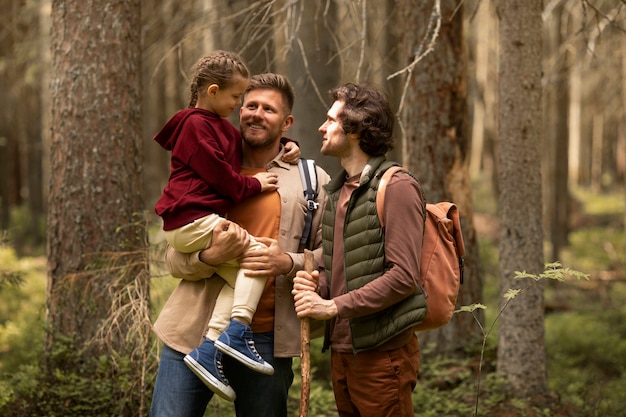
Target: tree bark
98,281
556,140
437,144
621,148
521,346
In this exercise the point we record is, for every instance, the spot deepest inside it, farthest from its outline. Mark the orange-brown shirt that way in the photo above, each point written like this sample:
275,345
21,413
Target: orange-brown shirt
260,216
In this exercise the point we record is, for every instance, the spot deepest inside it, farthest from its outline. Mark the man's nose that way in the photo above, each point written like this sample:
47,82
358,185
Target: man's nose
257,112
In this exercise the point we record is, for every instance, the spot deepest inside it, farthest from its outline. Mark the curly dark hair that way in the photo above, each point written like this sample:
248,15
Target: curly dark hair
366,113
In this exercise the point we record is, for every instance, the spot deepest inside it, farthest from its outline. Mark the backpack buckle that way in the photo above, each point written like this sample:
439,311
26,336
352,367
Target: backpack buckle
312,205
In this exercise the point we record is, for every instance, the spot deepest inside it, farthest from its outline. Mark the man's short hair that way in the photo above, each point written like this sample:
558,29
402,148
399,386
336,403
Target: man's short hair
273,81
367,114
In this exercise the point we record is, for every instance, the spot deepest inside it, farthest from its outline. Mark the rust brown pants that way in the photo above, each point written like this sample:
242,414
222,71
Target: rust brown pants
376,383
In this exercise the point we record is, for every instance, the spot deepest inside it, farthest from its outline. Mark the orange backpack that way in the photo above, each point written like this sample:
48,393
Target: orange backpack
441,263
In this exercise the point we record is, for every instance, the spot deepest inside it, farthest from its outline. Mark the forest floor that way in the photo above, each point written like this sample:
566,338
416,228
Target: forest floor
584,328
585,333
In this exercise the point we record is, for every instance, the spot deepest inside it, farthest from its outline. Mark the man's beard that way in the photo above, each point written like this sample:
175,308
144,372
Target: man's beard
259,143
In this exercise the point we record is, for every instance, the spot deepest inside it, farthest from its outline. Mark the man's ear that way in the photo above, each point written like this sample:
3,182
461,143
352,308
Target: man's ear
287,123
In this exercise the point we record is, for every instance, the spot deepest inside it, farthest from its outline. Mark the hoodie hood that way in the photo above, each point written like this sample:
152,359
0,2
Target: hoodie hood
168,135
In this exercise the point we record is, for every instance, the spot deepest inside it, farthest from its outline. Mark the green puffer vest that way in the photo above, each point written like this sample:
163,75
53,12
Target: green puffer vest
364,259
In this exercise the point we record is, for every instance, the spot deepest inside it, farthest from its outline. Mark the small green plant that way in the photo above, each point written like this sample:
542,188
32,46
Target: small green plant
552,271
9,276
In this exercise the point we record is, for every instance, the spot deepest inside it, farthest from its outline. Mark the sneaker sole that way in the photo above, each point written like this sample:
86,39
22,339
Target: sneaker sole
209,380
266,369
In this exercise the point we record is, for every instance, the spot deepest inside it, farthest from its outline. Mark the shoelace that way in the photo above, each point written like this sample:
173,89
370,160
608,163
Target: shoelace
220,369
253,349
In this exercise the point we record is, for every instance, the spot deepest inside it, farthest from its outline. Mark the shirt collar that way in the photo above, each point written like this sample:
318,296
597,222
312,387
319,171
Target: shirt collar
277,161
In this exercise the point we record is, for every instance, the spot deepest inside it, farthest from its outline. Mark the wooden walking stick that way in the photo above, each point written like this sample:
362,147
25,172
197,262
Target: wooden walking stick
305,348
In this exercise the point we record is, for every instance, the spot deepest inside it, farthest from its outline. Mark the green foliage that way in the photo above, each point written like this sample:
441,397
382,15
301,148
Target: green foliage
553,271
10,273
100,385
93,387
25,233
597,249
447,388
21,310
600,204
584,350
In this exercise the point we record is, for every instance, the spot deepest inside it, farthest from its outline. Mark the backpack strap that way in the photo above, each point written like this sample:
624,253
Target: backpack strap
382,186
308,175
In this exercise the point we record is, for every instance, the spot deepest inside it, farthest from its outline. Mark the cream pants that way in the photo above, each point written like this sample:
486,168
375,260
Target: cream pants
241,294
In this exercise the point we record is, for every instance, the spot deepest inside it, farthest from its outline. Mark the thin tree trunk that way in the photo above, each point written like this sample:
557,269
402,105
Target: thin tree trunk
621,148
521,345
556,143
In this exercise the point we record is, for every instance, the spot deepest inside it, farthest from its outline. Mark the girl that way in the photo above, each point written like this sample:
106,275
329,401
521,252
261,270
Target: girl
204,184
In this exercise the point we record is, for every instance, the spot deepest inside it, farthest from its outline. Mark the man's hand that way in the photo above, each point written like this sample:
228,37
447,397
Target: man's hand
303,281
266,262
308,303
228,242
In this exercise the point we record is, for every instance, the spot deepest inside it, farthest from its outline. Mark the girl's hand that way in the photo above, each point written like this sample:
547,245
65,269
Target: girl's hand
292,153
268,180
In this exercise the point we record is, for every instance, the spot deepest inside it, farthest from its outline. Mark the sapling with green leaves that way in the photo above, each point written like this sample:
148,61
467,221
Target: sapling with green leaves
554,271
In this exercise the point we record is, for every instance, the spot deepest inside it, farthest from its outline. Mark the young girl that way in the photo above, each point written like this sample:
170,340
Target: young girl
204,184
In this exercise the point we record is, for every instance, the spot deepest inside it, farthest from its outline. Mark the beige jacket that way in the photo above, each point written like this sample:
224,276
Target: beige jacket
184,319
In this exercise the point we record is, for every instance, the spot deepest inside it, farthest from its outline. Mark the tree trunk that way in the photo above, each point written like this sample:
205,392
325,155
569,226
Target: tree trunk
20,132
521,346
621,148
98,281
436,142
556,143
484,110
12,37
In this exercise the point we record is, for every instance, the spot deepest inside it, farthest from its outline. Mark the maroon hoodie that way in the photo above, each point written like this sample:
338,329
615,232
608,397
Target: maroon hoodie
204,170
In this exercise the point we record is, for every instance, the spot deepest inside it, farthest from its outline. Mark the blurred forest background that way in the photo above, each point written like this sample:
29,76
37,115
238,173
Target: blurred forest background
513,109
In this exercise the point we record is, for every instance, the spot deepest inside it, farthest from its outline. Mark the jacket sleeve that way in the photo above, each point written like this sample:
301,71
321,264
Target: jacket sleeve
187,266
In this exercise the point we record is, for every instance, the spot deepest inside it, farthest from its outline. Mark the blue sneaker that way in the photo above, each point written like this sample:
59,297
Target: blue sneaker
206,363
236,341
